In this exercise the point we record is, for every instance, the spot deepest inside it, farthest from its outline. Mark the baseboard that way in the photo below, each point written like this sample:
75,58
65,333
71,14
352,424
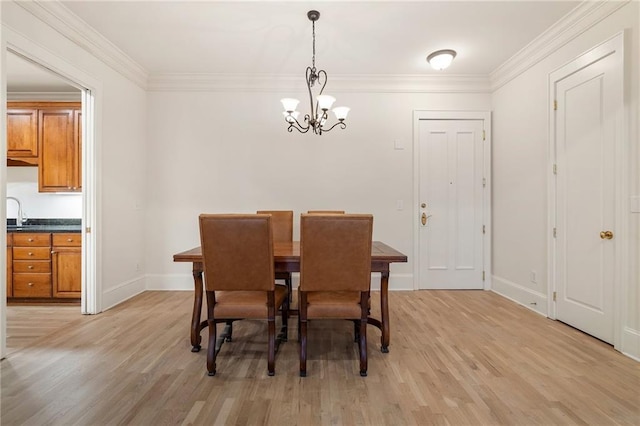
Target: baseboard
116,295
182,282
630,343
526,297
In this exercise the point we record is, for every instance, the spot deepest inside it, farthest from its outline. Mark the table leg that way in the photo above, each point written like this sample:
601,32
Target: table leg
197,307
384,308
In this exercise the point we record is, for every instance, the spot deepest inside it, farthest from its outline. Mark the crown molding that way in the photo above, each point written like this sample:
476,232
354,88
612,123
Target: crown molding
580,19
340,83
45,96
60,18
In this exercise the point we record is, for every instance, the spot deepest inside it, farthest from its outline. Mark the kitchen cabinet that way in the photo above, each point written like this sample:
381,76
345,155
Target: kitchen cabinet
47,135
31,253
22,135
59,142
66,260
9,266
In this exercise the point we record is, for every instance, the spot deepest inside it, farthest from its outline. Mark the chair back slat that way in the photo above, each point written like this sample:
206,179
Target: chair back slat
237,251
335,252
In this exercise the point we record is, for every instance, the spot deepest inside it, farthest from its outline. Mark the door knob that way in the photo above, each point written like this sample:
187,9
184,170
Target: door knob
424,218
606,235
423,205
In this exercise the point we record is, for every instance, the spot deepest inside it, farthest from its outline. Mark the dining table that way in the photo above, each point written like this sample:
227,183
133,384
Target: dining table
286,257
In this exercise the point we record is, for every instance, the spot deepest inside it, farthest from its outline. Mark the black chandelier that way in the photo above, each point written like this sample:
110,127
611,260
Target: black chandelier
317,119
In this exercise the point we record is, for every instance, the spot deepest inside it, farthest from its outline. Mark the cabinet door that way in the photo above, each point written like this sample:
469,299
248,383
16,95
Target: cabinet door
22,134
77,142
57,150
9,272
67,266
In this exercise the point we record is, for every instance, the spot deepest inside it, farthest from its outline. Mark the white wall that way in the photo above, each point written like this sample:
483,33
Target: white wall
231,152
520,161
22,183
120,151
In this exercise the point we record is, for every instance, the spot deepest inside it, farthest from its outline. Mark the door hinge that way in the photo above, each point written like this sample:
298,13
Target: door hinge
555,169
555,105
483,229
554,233
484,182
484,135
88,230
482,275
554,296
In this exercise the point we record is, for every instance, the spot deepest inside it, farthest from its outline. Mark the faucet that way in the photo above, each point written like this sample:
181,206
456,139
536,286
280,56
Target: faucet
21,219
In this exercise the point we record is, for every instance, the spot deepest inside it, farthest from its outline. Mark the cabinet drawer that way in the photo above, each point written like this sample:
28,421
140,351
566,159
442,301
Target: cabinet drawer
31,240
35,266
67,240
29,253
31,285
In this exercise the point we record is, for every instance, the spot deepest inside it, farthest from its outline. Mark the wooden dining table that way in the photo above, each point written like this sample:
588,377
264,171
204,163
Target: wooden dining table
287,259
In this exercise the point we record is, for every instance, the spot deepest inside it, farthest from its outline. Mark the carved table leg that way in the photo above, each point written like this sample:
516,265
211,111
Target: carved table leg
197,307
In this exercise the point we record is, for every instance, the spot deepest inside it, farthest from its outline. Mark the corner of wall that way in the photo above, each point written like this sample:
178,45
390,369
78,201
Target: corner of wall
528,298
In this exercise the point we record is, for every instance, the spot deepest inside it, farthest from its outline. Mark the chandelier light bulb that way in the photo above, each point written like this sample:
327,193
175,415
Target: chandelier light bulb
289,104
325,102
341,112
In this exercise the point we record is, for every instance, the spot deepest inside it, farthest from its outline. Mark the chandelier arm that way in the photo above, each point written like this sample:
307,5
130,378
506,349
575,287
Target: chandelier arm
310,77
342,125
295,124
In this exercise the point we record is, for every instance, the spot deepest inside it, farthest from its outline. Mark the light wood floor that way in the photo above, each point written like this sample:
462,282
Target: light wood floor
456,357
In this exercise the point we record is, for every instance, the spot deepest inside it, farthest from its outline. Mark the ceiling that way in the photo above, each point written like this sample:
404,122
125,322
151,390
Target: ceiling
352,37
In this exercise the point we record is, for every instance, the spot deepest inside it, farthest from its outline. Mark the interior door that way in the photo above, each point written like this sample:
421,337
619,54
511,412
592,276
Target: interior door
451,204
587,103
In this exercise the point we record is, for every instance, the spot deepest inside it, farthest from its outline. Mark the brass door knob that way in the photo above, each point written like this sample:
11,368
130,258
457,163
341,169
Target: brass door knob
606,235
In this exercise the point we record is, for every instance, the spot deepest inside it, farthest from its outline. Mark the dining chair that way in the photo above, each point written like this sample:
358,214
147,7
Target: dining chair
282,225
237,252
335,275
325,212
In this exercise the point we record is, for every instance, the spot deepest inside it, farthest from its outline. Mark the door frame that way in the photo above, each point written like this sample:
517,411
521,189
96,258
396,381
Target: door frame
484,116
614,45
91,106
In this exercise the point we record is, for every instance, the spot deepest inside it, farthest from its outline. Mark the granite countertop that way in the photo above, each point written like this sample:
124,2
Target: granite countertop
45,225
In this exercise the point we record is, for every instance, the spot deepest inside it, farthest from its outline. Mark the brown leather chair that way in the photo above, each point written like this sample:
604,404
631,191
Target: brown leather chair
325,212
237,252
282,225
335,274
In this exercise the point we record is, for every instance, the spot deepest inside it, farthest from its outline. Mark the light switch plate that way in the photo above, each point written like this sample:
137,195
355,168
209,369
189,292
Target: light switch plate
634,203
397,144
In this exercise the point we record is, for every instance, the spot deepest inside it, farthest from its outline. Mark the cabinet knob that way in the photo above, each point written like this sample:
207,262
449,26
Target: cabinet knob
69,239
30,240
30,266
30,284
30,254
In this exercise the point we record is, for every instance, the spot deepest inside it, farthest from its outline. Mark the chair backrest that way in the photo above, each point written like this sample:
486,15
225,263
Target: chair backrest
335,252
325,212
281,223
237,251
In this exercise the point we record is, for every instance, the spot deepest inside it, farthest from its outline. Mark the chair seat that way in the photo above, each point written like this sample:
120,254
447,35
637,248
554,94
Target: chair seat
333,304
246,304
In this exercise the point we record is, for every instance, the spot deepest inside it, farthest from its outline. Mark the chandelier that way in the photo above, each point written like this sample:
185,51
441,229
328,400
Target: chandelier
316,120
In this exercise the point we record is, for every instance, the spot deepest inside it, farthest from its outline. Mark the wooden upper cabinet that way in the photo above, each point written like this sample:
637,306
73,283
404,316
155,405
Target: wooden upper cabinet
59,142
22,135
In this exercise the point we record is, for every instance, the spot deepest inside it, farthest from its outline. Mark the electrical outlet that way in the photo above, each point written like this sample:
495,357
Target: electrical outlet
399,205
533,277
137,266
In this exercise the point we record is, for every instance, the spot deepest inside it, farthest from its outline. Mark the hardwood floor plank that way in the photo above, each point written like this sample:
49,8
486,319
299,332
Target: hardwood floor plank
456,357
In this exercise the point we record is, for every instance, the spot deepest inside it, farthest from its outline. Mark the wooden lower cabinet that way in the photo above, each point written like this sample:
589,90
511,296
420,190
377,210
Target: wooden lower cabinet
44,266
9,265
67,264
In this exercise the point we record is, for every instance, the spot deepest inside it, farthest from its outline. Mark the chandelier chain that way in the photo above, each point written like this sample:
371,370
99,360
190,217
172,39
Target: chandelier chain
313,58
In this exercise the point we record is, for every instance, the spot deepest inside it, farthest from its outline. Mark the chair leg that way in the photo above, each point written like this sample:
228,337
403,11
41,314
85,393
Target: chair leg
302,333
211,349
356,331
363,348
287,281
272,347
285,321
229,330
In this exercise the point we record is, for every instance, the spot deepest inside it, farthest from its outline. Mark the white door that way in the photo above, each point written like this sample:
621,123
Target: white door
588,101
451,204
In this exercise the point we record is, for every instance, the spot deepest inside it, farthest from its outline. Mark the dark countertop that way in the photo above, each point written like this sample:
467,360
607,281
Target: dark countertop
45,225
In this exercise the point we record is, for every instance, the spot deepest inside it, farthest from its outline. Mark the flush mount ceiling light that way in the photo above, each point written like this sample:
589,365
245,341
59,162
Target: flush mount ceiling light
441,59
317,118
